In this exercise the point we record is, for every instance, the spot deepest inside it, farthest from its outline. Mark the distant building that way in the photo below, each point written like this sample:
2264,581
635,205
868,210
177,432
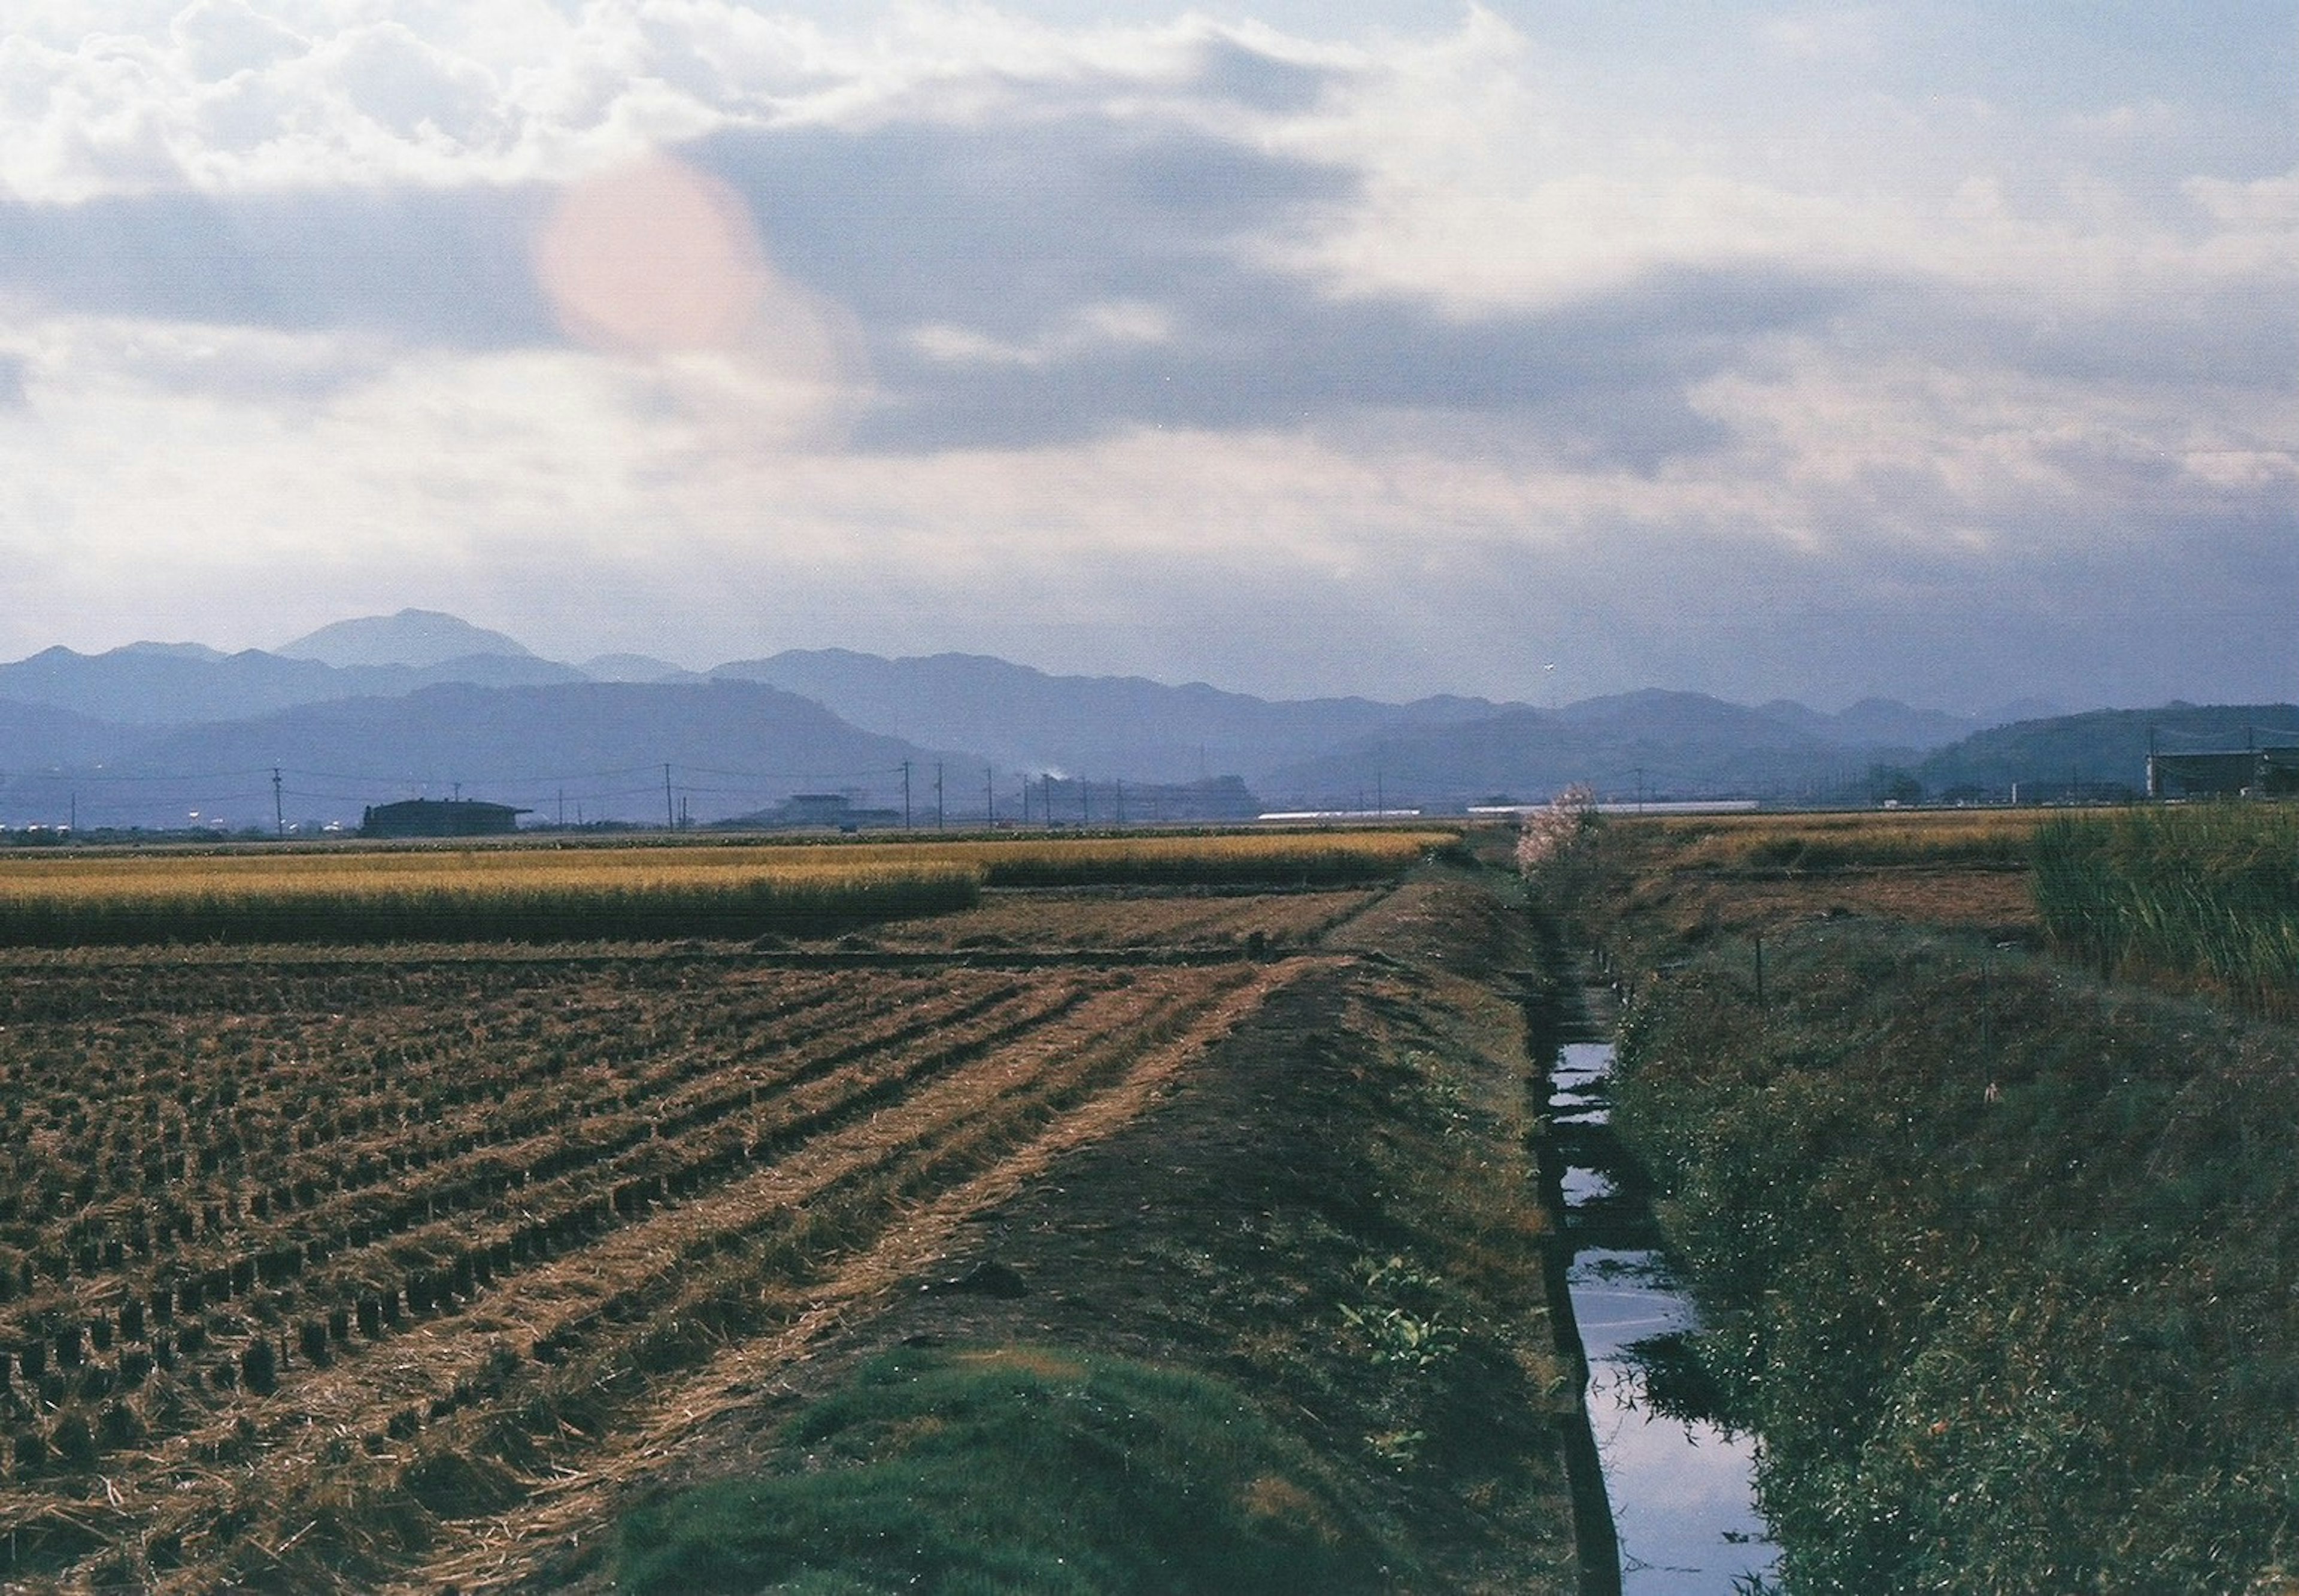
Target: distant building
2258,772
440,816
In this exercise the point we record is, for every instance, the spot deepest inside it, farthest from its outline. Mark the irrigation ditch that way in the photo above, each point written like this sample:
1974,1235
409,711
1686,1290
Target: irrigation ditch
1663,1491
1996,1224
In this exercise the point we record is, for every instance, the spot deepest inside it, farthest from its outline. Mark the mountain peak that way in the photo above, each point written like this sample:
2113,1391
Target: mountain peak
174,651
410,637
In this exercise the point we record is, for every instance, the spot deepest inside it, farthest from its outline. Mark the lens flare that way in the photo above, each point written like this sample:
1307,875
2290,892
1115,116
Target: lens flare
654,258
661,261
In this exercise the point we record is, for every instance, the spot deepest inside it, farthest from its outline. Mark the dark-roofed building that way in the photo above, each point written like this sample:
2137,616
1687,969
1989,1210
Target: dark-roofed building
2261,772
440,816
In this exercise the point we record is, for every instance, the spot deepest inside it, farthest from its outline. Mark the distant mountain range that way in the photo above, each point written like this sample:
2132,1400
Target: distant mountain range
165,735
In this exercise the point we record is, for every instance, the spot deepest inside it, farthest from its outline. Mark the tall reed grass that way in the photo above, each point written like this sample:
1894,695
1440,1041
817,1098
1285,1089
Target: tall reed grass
1993,1257
2209,891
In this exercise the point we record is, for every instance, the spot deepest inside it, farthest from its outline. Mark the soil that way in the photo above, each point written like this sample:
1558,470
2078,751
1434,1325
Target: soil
1358,1140
413,1267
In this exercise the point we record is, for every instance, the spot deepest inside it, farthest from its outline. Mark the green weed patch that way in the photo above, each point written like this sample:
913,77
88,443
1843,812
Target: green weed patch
2003,1263
1008,1470
2209,893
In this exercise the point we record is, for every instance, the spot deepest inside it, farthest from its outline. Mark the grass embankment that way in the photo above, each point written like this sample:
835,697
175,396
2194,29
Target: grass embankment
2003,1260
504,894
1016,1469
2208,894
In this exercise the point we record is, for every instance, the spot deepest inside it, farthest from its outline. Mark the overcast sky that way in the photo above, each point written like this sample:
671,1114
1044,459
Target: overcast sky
1941,349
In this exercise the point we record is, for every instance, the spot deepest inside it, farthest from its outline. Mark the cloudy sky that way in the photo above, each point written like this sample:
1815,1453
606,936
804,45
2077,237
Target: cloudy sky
1935,348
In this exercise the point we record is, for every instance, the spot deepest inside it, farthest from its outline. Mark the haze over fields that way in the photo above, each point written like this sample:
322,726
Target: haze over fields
1926,350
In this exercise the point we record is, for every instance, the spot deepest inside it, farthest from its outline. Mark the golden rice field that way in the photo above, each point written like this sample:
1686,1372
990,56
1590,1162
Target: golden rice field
322,1269
1868,837
539,893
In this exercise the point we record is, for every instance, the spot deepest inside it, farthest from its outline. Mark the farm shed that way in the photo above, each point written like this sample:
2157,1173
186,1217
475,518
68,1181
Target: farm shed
440,816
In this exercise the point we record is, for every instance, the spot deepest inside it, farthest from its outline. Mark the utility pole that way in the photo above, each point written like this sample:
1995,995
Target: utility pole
990,795
669,810
279,805
906,794
562,809
1049,816
938,812
1121,800
1086,801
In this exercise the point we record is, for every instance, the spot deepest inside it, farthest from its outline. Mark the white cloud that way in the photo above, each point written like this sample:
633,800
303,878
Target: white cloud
1113,324
1358,326
220,39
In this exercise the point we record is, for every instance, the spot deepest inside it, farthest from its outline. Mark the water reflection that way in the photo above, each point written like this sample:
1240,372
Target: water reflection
1678,1486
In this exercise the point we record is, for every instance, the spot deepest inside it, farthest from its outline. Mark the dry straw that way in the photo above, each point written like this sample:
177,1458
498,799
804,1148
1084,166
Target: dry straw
532,894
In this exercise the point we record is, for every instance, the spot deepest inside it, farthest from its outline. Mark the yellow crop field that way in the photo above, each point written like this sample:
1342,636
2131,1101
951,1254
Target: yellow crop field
531,894
495,894
1870,837
1258,857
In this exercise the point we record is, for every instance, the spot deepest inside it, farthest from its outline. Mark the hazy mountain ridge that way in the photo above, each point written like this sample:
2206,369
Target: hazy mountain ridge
140,685
110,737
1875,723
600,749
411,638
1106,727
1653,744
39,734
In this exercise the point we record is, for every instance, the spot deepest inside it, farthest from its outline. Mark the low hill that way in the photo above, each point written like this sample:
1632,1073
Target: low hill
2105,749
37,735
1657,745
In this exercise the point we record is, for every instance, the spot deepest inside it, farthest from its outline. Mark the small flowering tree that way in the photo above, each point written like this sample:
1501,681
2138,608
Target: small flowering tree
1549,834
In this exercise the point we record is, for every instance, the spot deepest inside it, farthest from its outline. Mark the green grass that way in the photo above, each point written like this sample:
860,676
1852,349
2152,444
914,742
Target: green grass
1007,1471
2208,892
2002,1263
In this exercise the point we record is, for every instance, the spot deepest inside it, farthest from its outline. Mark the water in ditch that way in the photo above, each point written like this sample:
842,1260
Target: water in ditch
1679,1489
